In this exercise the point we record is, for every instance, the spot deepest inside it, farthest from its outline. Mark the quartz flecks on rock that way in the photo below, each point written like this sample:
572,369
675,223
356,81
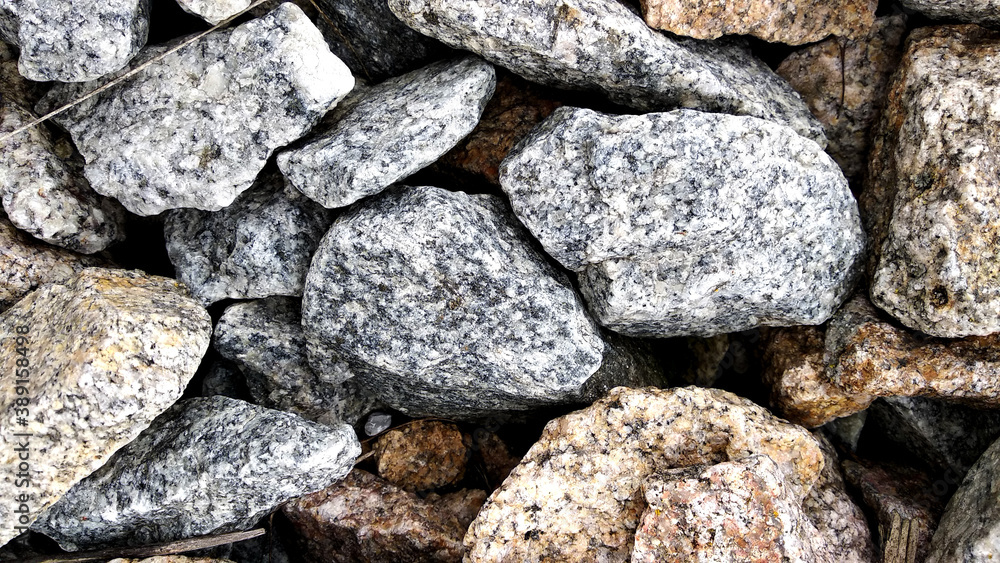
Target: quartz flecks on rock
194,128
26,263
578,493
391,131
207,465
265,339
214,11
441,306
74,41
685,222
929,202
969,530
844,82
366,519
106,352
372,41
43,190
259,246
794,23
605,46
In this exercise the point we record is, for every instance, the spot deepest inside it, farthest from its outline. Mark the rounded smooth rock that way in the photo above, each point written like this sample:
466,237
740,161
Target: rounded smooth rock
689,223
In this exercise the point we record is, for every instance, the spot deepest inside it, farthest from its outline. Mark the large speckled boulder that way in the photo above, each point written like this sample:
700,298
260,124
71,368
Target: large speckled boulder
605,46
686,222
91,363
194,128
441,306
580,492
930,197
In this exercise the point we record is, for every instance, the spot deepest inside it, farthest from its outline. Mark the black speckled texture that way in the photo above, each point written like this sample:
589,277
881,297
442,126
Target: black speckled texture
207,465
603,45
442,307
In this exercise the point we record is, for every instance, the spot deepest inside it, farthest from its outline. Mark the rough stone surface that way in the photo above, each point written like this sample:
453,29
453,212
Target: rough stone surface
74,41
391,131
905,506
794,23
365,519
844,82
801,390
685,222
373,43
728,512
513,111
259,246
577,494
930,195
946,436
214,11
265,340
818,374
970,527
422,455
43,190
105,353
207,465
595,44
195,128
975,11
463,504
26,263
439,303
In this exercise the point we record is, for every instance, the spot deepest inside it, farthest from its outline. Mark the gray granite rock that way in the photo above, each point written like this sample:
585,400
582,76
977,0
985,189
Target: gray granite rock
685,222
947,436
372,41
214,11
603,45
207,465
44,192
90,363
975,11
929,202
442,306
74,41
259,246
391,131
969,530
194,128
266,341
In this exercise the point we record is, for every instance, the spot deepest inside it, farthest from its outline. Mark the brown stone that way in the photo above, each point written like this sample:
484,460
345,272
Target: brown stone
464,505
800,389
366,519
905,505
844,82
515,108
794,23
422,455
578,493
930,196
